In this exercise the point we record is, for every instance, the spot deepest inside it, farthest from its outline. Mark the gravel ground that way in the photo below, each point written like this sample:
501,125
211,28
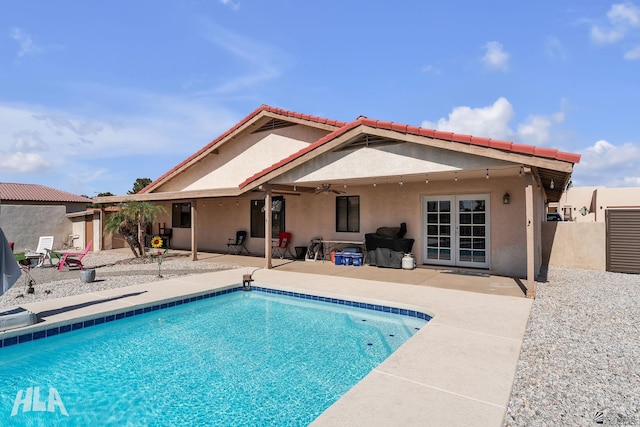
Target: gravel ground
113,270
581,353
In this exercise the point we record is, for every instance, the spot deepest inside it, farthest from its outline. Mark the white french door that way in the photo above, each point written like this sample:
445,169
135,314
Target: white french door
456,230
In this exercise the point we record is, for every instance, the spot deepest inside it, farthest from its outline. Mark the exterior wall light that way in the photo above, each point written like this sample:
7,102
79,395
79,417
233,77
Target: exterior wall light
506,198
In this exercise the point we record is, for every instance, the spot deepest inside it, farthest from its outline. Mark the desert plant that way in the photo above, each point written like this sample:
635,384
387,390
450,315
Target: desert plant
131,220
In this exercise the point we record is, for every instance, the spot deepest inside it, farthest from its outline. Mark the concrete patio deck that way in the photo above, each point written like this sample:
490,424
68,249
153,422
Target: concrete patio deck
458,370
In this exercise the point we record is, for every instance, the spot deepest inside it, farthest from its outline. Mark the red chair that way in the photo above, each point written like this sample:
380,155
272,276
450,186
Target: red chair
73,259
281,250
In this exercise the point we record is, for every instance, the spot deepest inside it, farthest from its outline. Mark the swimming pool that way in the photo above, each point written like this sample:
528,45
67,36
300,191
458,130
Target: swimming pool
242,358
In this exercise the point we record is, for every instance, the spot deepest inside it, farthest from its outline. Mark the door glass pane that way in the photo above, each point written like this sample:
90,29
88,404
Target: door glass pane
432,206
445,242
432,253
478,206
445,230
432,229
479,218
445,218
465,243
478,230
432,218
432,241
445,206
465,230
465,256
479,243
465,218
445,254
479,256
465,205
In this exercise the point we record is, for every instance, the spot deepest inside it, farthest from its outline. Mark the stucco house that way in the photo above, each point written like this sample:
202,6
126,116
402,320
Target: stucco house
467,201
29,211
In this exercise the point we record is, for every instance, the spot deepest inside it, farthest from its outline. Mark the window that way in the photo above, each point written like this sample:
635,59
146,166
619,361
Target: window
348,213
277,217
181,215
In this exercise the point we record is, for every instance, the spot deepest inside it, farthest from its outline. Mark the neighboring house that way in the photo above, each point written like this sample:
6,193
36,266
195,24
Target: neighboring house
28,211
600,230
467,201
590,204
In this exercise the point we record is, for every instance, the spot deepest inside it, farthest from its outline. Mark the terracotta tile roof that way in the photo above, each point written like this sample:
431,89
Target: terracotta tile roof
430,133
37,193
238,125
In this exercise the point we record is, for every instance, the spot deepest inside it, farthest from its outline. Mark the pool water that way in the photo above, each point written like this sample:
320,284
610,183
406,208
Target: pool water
243,358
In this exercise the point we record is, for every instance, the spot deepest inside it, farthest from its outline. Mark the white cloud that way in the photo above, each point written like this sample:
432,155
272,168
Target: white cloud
493,122
622,19
233,5
26,44
20,162
633,53
554,49
606,164
603,36
430,69
61,148
495,57
264,62
624,14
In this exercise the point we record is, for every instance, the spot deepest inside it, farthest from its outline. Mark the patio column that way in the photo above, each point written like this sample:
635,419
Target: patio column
194,235
267,227
528,197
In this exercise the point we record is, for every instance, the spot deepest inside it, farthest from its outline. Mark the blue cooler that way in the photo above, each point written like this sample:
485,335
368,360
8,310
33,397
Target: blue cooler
337,256
347,258
357,260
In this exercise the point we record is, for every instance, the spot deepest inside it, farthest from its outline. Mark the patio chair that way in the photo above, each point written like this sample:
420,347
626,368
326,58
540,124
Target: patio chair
42,253
236,246
73,259
281,250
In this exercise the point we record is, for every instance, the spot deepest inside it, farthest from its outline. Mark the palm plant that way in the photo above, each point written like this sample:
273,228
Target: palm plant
131,221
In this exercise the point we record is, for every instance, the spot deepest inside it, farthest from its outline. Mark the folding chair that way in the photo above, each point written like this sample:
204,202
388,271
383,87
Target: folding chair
236,246
281,250
73,259
42,253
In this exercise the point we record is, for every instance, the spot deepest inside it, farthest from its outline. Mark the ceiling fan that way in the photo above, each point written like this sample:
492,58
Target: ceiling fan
326,188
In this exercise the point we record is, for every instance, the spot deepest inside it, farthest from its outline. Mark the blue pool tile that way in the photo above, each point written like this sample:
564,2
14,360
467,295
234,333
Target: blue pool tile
52,331
88,323
74,326
129,313
99,320
25,338
10,341
119,316
39,335
110,318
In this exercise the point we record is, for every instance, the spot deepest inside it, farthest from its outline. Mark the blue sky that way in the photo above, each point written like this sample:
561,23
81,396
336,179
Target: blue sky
96,94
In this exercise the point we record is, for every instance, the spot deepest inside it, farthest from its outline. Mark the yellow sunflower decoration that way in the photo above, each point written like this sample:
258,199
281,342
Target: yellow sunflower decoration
156,242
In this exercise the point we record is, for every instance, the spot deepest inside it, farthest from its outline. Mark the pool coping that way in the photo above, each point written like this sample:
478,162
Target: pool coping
457,370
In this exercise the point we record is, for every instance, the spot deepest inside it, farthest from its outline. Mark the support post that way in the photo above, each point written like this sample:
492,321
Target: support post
267,227
528,196
194,234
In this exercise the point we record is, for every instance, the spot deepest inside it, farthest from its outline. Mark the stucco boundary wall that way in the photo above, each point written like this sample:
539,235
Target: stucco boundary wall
574,245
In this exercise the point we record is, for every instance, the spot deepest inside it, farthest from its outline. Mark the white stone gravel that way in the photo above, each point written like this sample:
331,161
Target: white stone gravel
112,271
581,353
